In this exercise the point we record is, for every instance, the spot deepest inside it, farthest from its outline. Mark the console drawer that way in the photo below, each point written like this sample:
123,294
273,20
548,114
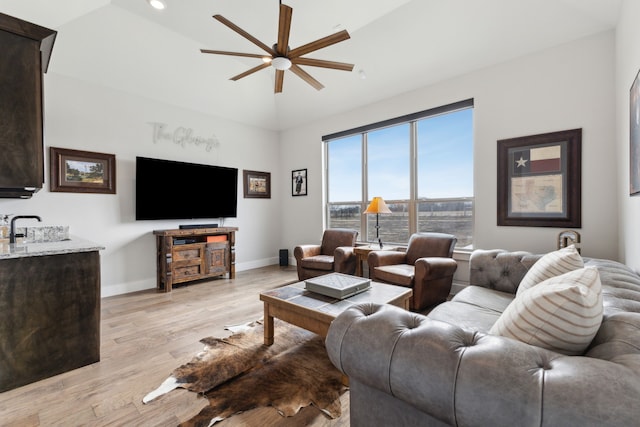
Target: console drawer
188,252
187,271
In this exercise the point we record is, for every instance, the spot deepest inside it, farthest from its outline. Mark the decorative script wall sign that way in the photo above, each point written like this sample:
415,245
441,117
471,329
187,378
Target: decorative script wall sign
183,136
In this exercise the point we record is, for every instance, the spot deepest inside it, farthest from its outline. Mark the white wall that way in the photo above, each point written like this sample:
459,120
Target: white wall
567,87
86,117
570,86
627,66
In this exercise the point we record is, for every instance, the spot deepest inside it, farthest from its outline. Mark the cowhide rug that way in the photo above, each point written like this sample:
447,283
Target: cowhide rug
240,373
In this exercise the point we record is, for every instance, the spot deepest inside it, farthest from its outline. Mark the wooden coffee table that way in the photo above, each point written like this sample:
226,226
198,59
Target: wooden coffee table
315,312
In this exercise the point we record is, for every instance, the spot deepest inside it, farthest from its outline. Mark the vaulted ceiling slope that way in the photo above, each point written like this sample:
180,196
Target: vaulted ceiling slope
400,45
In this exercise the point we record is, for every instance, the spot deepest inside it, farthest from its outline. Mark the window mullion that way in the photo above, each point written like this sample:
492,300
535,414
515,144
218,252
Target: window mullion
327,206
413,187
365,189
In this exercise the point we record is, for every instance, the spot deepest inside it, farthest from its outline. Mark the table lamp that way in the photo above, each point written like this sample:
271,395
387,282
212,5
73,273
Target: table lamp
377,206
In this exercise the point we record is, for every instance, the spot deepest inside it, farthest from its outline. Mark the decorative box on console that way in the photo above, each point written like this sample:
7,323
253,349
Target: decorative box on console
337,285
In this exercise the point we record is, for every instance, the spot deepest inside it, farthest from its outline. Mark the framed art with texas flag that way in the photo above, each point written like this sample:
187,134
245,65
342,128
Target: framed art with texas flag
539,180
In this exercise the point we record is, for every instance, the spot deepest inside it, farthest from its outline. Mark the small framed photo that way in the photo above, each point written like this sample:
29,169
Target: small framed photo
256,184
299,182
539,180
75,171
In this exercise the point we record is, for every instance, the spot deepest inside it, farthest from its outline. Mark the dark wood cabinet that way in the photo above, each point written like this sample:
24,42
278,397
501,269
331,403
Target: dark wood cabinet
25,50
49,316
184,255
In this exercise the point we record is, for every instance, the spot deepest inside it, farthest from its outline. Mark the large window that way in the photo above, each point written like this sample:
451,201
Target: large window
420,164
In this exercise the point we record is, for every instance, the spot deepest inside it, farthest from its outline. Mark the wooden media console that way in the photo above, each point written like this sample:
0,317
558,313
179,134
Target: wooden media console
190,254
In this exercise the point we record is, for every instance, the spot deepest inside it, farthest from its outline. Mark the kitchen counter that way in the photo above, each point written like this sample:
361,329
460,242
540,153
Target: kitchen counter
73,245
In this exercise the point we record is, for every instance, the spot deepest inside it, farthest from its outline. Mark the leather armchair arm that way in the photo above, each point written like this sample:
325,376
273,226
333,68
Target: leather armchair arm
433,279
304,251
435,267
462,377
344,260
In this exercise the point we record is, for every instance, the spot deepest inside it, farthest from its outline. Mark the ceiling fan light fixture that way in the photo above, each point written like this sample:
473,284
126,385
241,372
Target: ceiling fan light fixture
280,56
157,4
281,63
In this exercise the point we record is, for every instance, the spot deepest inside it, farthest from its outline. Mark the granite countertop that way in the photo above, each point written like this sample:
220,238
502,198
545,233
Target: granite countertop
74,244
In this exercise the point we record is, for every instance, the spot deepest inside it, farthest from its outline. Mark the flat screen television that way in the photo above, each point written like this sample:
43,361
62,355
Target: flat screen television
167,189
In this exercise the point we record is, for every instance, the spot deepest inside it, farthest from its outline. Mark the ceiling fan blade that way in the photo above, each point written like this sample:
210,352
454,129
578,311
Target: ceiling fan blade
324,64
251,71
319,44
284,29
222,52
306,77
244,34
279,81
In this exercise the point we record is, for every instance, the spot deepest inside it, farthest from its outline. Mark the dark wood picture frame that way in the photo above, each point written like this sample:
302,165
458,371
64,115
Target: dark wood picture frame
634,137
299,182
539,180
76,171
256,184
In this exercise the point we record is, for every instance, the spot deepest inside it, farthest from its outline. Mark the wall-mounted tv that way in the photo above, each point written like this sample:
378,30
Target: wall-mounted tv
166,189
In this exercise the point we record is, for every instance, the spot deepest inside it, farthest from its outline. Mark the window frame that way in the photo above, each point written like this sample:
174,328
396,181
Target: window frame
363,131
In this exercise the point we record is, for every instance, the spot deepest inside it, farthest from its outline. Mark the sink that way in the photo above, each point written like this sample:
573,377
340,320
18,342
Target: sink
44,233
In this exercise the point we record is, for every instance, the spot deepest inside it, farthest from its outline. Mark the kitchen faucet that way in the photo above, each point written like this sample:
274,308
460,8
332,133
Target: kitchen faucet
12,235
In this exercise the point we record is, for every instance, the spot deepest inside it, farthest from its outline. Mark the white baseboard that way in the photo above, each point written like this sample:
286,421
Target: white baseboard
143,285
127,288
256,263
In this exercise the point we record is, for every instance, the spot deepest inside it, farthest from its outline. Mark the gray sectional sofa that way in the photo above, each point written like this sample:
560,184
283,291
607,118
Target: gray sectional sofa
406,369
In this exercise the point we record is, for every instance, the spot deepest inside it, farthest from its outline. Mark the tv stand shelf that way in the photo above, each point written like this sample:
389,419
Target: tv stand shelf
190,254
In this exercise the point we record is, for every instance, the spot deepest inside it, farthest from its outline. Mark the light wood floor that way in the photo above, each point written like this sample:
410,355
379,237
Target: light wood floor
145,335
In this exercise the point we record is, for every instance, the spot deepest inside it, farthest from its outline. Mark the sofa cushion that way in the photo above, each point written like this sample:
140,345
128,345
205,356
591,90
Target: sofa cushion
474,308
318,262
398,274
489,299
551,265
562,314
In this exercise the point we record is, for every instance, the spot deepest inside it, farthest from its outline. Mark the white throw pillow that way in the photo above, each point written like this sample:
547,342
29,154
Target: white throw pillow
562,314
551,265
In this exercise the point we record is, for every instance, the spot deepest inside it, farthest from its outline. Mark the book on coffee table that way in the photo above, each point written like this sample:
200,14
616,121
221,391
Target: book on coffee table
337,285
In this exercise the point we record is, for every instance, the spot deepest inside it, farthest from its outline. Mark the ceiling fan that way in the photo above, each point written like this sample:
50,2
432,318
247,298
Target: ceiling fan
281,57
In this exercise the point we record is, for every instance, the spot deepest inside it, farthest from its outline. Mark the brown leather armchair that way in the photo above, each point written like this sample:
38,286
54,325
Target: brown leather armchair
427,267
335,254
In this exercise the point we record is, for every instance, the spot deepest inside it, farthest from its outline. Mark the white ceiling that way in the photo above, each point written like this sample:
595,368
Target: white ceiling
400,45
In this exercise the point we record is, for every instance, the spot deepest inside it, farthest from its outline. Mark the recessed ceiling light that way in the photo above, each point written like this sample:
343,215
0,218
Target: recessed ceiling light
157,4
